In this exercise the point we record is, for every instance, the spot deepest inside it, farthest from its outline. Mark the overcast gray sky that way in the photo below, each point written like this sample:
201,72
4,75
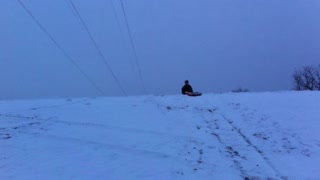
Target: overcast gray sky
219,45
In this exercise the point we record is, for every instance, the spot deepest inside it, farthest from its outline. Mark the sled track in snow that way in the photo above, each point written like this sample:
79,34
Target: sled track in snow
249,143
213,126
93,125
228,151
23,124
119,148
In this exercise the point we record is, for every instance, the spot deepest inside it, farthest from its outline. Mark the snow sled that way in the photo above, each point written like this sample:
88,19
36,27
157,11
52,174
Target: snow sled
194,94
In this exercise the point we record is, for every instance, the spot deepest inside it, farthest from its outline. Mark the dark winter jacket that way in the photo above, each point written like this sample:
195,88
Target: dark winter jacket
186,88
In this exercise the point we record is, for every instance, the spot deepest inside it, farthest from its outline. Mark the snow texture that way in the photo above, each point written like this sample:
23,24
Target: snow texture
271,135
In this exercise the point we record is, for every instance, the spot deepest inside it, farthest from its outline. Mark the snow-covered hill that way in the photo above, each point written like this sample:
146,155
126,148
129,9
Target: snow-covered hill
215,136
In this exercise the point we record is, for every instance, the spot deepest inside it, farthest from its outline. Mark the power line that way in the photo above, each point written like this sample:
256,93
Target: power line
132,44
96,46
122,38
60,47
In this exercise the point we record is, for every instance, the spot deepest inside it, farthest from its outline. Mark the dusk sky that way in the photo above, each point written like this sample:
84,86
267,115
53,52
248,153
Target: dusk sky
218,45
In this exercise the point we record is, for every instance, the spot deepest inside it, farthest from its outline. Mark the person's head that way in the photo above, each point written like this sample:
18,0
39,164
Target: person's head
186,82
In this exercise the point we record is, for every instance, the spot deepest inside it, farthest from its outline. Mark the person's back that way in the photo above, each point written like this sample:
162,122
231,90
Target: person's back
186,89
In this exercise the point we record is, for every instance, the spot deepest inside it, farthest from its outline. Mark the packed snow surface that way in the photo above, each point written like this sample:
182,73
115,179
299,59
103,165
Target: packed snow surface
271,135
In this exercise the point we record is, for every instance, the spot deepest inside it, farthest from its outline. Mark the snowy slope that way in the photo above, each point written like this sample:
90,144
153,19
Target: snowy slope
215,136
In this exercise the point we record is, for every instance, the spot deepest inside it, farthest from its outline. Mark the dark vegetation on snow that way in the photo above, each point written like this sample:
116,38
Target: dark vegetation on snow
307,78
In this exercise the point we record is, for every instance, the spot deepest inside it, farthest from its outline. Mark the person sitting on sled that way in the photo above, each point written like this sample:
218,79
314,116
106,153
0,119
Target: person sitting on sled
186,89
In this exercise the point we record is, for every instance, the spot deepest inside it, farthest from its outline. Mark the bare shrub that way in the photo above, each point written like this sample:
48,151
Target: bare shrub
240,90
307,78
